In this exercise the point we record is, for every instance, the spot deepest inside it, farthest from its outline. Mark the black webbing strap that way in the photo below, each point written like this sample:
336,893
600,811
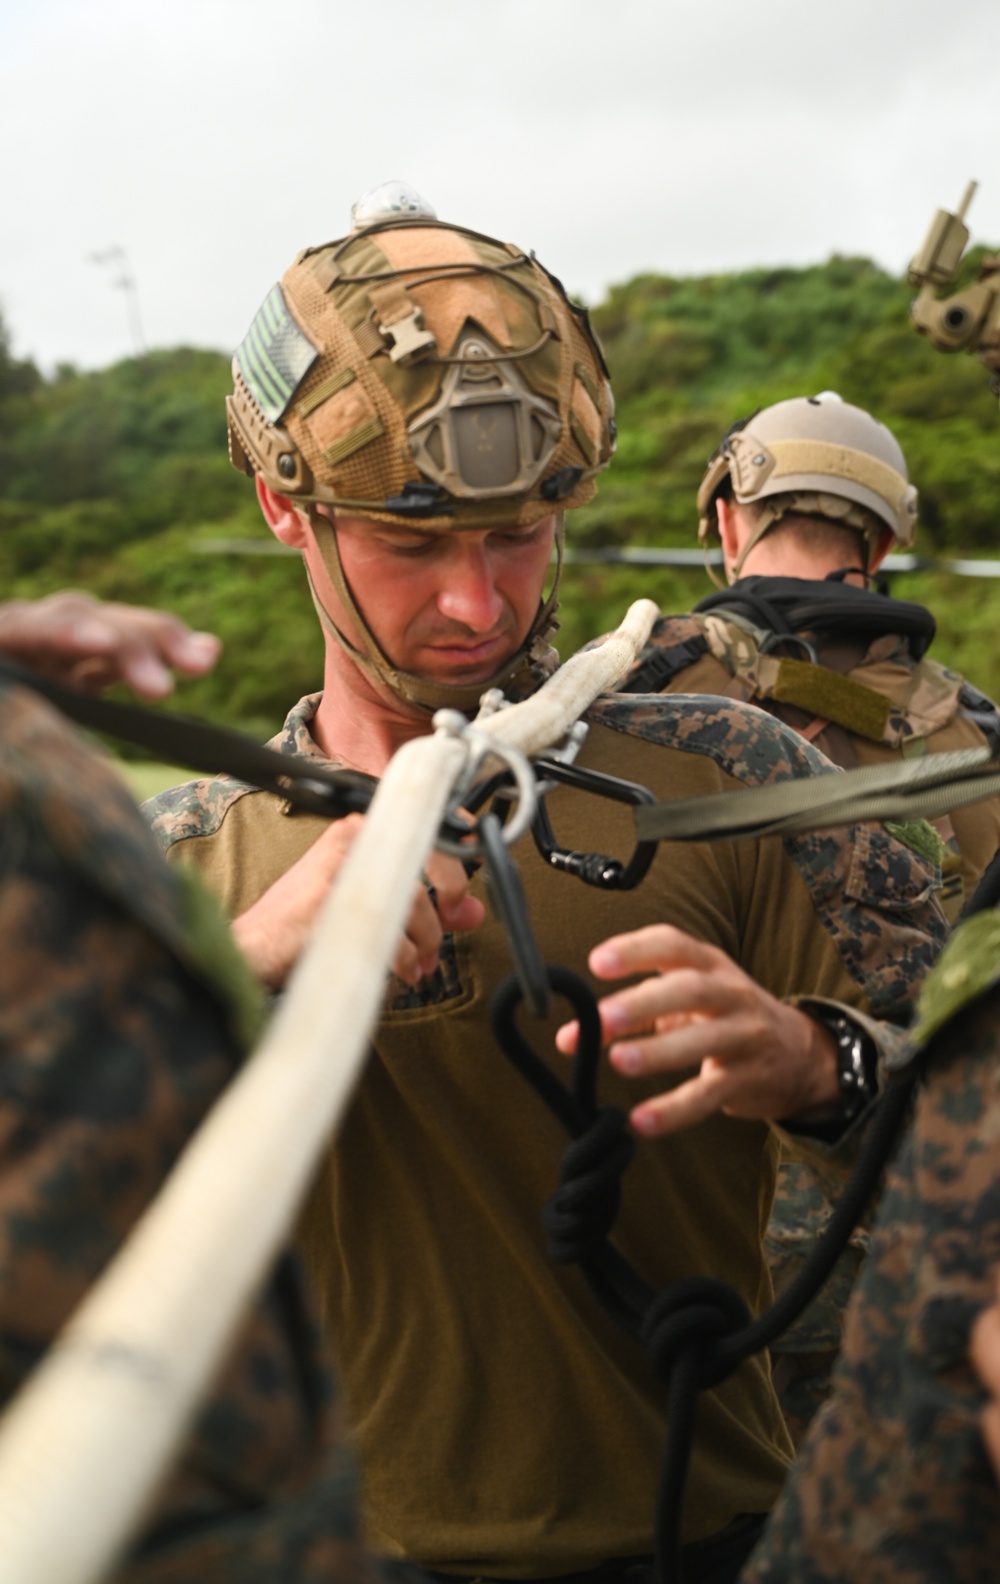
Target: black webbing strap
214,750
660,666
698,1331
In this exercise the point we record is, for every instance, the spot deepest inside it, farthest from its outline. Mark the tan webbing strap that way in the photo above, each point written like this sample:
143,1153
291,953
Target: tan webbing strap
392,302
401,322
905,789
811,731
839,462
834,697
369,338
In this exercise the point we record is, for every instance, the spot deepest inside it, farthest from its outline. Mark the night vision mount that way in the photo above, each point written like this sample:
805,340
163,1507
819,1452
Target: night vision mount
967,320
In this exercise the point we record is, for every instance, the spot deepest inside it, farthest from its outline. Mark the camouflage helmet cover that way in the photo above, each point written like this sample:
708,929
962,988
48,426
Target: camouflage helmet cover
825,456
422,374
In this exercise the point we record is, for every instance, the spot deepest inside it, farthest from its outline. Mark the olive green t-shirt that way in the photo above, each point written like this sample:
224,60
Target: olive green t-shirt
505,1425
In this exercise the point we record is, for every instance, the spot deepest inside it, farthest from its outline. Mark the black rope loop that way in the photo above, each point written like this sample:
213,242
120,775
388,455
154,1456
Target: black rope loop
584,1207
698,1331
577,1107
694,1315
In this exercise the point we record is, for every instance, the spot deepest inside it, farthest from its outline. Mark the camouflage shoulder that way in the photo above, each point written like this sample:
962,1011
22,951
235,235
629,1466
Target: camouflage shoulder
195,808
61,795
66,796
744,741
671,630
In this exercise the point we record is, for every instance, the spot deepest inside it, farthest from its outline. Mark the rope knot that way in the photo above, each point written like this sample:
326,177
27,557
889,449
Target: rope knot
583,1208
691,1319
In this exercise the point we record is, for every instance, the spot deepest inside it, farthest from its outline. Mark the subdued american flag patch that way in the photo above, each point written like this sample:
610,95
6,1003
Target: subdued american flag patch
275,356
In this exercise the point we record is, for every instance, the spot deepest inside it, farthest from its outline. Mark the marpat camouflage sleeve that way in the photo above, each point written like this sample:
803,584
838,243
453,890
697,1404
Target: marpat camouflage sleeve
116,1036
892,1485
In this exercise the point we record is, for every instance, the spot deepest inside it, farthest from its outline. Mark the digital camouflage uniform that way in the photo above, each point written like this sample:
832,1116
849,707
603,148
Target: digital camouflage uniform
505,1426
880,704
124,1012
892,1485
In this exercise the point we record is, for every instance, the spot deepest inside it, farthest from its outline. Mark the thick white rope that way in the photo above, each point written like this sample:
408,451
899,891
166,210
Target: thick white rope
87,1441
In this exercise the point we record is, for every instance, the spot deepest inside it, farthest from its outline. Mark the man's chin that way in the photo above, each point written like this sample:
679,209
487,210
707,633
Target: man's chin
458,667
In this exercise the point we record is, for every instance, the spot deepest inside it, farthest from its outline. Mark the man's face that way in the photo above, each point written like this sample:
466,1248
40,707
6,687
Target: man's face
450,607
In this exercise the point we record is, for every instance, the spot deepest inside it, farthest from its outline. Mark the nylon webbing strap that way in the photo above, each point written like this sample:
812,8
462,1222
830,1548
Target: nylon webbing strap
306,784
909,789
796,457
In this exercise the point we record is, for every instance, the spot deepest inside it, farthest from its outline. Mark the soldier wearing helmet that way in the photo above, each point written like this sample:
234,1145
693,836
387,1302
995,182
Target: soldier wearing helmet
418,404
807,497
893,1483
811,457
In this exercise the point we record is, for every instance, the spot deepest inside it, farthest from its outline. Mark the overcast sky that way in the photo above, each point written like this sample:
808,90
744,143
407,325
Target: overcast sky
212,139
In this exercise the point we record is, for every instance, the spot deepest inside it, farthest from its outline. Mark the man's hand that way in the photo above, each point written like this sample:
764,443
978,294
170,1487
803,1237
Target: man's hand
274,930
80,640
755,1057
985,1353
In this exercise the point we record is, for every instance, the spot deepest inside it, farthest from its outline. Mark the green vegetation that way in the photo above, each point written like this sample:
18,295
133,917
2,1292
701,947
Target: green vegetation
114,481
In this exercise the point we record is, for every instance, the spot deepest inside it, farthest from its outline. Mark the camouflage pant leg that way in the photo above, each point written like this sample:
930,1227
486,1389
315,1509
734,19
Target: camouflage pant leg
804,1356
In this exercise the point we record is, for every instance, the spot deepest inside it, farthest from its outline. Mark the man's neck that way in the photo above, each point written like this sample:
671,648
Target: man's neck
356,724
794,562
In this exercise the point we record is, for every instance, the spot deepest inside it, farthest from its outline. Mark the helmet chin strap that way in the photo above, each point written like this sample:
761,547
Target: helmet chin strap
420,692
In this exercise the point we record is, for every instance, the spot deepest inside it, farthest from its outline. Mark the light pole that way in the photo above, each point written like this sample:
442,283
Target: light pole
124,280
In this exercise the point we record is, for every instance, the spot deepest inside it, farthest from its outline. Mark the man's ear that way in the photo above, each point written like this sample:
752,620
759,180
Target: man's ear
282,518
881,550
728,531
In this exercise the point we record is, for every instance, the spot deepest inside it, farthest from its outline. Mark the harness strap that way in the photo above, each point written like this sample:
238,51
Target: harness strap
906,789
307,784
653,672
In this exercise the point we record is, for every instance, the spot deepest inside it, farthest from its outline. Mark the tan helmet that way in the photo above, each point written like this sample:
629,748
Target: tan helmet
420,372
819,456
423,375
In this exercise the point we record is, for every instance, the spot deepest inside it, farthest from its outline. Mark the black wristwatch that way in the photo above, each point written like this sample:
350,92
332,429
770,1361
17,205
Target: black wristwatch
857,1057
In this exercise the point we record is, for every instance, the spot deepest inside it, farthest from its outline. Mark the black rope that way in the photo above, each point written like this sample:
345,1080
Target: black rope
698,1331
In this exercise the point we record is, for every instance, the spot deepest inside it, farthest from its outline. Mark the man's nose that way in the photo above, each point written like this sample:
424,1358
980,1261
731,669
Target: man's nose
469,592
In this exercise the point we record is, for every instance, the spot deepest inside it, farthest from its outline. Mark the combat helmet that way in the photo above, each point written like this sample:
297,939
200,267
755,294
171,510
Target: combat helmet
424,375
819,456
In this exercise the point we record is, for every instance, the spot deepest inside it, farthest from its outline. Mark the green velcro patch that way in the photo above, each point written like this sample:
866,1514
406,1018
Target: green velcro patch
969,966
327,388
275,356
920,837
833,697
353,441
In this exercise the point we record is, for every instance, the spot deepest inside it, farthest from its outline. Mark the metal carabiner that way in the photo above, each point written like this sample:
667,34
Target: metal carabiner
483,746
